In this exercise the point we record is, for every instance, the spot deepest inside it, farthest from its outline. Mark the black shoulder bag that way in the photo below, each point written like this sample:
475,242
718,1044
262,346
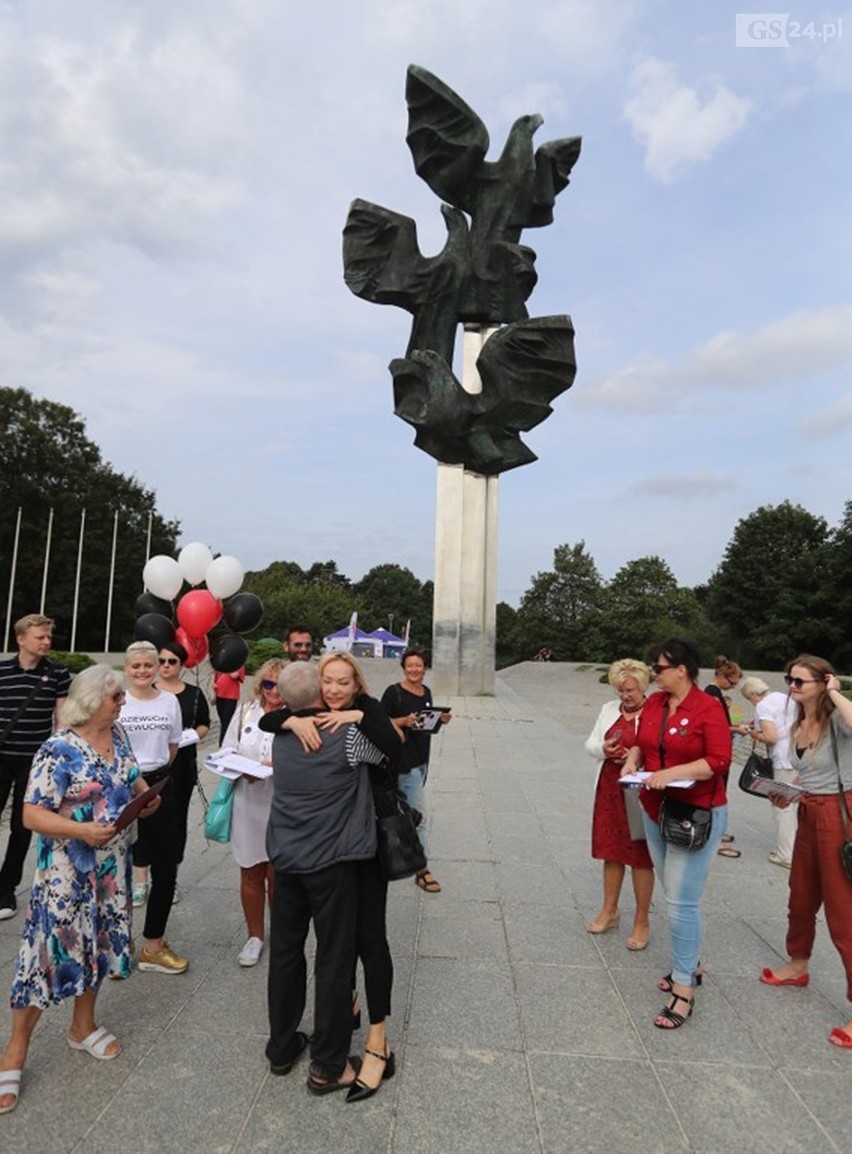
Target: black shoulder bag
399,849
846,844
681,824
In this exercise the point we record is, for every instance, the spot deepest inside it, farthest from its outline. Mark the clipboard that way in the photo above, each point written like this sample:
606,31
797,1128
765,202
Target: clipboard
133,808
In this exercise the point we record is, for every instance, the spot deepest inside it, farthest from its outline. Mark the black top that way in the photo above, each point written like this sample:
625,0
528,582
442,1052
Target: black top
400,702
194,711
716,692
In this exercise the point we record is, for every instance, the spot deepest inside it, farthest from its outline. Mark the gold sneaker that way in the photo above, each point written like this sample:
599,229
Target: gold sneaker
162,961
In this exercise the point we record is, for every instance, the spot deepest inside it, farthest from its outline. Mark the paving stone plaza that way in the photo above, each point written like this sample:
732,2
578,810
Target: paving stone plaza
514,1029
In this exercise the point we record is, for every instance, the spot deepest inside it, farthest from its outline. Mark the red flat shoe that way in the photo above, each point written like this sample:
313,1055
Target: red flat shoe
769,979
839,1037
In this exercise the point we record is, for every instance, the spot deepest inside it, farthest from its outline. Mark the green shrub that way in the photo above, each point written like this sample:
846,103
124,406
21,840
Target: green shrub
73,662
264,650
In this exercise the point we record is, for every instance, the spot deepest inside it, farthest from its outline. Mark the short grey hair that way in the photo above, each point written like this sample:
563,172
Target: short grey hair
87,692
299,684
753,687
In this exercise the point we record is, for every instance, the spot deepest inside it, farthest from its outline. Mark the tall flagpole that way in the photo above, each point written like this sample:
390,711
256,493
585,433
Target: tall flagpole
148,542
12,573
77,581
46,561
111,581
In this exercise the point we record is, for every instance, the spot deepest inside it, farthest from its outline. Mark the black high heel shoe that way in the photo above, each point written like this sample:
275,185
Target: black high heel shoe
360,1091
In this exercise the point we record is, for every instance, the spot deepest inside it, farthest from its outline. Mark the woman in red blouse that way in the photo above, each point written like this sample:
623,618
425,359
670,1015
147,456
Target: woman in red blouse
682,735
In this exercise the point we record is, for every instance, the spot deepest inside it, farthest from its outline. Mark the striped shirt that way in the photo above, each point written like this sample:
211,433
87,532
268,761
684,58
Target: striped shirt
36,723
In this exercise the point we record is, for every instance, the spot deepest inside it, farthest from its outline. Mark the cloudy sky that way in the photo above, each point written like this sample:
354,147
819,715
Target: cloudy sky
174,178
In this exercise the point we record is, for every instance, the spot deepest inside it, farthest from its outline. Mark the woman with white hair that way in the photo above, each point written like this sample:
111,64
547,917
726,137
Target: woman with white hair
77,930
612,841
774,718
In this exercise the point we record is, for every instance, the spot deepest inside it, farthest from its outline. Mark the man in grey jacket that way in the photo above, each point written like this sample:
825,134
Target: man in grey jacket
321,822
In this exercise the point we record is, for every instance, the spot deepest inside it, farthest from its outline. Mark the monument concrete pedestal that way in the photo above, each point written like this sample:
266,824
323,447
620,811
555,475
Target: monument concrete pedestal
465,605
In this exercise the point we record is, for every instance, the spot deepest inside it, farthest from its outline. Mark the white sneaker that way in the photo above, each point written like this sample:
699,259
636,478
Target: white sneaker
140,893
177,896
778,860
251,951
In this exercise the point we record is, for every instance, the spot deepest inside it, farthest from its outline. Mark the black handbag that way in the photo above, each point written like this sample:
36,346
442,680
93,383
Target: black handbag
757,765
685,826
846,844
399,849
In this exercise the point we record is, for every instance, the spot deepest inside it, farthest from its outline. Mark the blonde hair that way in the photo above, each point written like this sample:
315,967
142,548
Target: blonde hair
626,667
347,659
141,647
724,667
33,621
269,671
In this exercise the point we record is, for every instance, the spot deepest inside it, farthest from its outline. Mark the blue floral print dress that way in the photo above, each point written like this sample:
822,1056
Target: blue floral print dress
77,929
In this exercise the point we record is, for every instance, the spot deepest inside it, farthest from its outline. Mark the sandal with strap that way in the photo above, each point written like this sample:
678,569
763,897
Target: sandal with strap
359,1091
10,1086
426,882
671,1019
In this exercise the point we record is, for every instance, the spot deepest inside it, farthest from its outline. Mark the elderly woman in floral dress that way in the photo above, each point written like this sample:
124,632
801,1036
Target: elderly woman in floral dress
77,929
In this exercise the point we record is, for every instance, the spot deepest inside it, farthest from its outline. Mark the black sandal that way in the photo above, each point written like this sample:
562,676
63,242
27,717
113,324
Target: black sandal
359,1091
671,1016
319,1086
284,1068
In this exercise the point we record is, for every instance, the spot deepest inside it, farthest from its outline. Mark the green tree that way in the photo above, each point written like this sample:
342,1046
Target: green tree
389,595
50,463
772,591
837,582
562,608
644,604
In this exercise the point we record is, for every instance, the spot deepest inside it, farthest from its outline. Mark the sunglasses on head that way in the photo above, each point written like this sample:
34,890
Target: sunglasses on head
169,661
269,684
798,682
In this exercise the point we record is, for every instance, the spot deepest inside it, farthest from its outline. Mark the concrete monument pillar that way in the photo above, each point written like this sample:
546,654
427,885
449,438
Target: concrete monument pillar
464,629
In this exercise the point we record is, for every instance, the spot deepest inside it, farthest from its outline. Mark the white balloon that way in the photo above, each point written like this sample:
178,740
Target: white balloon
162,576
224,576
194,560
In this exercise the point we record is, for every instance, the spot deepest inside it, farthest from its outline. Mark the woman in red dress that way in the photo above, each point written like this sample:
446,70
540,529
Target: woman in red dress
612,842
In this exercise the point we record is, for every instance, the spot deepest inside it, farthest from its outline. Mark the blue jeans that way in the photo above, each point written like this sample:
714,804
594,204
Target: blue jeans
410,785
683,875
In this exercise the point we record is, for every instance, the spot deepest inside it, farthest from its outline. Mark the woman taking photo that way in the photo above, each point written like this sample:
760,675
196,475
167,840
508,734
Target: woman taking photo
195,719
682,735
612,840
403,701
151,719
344,691
821,752
252,801
77,930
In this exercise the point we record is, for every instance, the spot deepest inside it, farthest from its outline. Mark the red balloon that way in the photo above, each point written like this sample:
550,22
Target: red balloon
196,648
198,611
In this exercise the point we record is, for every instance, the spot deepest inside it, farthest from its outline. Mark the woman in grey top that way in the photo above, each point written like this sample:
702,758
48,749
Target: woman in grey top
817,877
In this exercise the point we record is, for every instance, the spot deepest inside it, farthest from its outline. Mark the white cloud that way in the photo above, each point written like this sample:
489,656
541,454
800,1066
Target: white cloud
682,486
796,349
830,421
679,125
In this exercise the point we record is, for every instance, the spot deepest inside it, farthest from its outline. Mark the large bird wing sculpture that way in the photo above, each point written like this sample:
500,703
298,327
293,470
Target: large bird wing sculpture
382,263
522,368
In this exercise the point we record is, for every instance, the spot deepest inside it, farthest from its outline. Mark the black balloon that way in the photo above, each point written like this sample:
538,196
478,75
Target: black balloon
244,612
148,603
228,653
154,627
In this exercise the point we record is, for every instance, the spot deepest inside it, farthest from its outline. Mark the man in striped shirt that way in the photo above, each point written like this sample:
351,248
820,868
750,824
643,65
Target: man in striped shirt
32,692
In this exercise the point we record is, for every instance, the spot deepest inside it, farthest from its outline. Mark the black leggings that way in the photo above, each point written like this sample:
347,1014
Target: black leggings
158,846
373,948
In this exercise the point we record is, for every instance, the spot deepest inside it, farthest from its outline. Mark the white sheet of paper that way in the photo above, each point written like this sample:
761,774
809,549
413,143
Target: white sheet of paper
228,763
188,737
642,776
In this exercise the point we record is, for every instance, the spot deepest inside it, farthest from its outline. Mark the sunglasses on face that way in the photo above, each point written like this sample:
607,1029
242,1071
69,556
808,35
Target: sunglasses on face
269,684
658,669
169,661
798,682
119,696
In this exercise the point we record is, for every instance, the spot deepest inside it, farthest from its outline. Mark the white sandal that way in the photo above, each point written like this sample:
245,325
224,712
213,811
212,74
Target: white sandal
97,1044
10,1084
